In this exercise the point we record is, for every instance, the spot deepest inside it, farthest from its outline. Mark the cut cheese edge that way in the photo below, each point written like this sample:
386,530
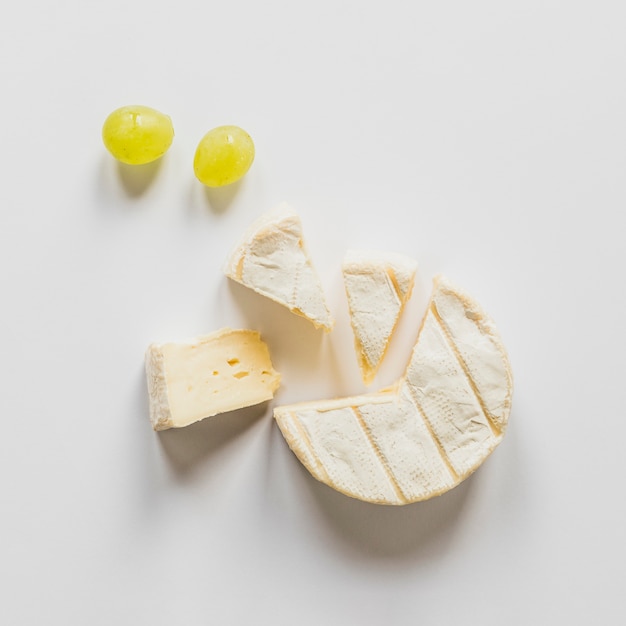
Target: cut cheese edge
378,285
223,371
272,259
428,432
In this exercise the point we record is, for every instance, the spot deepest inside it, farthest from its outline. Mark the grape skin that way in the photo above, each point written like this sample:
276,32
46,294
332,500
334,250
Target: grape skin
137,134
223,156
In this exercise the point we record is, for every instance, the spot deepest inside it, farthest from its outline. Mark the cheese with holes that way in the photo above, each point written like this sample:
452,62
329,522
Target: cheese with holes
272,259
378,285
429,431
226,370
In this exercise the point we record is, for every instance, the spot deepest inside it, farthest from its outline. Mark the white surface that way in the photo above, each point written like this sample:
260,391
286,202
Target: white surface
484,138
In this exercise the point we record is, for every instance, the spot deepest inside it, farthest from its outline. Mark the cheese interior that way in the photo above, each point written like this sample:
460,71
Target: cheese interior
223,371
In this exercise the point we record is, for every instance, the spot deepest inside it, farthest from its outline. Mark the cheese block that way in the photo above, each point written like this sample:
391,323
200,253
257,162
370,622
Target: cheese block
272,259
426,433
226,370
378,285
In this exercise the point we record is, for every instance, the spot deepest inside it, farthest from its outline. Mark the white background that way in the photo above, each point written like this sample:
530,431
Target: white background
487,139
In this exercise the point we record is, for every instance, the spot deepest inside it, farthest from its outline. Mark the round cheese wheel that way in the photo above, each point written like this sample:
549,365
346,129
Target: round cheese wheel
429,431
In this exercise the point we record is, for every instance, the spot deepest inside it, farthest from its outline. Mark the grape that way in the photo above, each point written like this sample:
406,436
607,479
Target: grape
223,156
137,134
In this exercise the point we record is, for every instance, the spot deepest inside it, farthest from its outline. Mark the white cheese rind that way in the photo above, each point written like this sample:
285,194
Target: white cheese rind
160,414
345,450
479,348
407,446
378,285
272,260
427,433
444,397
223,371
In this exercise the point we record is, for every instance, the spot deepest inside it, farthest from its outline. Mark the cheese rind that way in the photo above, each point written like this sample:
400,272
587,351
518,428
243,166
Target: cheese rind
478,347
408,448
378,285
272,260
445,398
428,432
226,370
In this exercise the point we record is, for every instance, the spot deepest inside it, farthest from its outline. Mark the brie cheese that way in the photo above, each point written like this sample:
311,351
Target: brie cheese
273,261
226,370
378,285
429,431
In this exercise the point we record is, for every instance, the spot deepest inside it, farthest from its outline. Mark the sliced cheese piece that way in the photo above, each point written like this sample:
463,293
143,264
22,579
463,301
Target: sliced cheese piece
273,261
428,432
226,370
378,285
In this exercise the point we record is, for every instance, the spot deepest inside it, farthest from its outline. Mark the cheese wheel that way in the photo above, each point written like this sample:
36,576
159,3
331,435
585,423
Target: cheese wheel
426,433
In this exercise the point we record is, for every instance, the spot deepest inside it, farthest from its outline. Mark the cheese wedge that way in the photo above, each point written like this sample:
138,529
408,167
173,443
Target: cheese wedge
273,261
378,285
429,431
226,370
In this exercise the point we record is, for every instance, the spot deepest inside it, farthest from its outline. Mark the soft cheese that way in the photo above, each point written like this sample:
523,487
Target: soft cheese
378,285
226,370
429,431
272,259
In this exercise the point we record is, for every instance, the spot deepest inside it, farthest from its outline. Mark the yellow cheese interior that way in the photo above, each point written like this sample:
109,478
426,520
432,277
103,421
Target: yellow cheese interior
224,371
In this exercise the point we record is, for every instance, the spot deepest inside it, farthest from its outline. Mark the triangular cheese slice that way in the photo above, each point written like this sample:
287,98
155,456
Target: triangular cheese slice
429,431
378,285
273,261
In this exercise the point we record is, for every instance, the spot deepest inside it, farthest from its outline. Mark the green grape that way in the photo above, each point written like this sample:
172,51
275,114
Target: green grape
137,134
223,156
